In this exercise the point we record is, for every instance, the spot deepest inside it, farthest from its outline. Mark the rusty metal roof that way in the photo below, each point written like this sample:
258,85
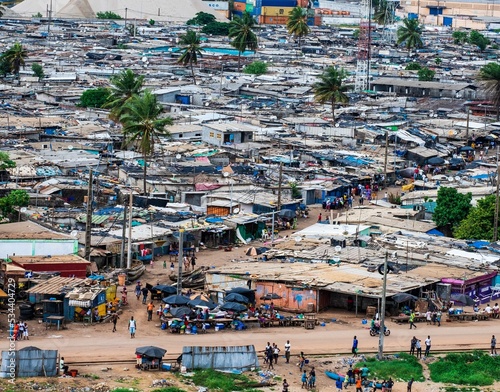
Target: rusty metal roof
56,285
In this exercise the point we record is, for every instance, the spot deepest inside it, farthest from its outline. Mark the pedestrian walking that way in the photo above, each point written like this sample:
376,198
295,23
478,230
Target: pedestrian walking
132,326
266,350
438,317
269,355
493,345
355,347
276,353
358,385
418,346
349,380
287,351
427,346
193,262
150,310
412,345
285,386
410,383
302,360
412,320
164,264
304,380
144,294
172,267
338,384
114,319
138,288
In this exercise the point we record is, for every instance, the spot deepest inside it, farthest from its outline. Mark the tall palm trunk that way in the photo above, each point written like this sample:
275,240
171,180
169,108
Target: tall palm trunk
192,73
145,171
239,61
333,111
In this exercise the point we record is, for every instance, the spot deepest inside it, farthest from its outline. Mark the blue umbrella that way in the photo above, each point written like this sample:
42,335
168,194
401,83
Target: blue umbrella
176,300
235,297
201,302
234,307
165,289
180,312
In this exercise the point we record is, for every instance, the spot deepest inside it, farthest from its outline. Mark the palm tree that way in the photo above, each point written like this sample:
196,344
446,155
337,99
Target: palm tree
124,86
243,36
142,126
297,23
489,77
410,34
331,88
190,43
15,57
380,14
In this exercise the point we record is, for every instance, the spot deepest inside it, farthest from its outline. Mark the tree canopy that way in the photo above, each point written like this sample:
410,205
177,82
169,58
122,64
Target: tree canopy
15,57
191,50
297,23
331,88
489,77
241,31
201,19
425,74
256,68
108,15
17,198
124,86
94,98
216,28
459,37
5,161
410,34
479,40
478,224
452,208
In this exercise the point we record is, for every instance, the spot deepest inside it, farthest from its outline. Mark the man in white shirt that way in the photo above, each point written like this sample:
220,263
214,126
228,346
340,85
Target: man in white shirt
287,351
487,310
427,346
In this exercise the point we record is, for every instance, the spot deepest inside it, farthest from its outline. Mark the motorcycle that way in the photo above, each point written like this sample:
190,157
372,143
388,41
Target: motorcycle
376,331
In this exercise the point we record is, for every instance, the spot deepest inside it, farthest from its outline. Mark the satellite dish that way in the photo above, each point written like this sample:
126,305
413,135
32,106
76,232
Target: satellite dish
337,125
338,248
225,174
178,156
297,239
236,210
144,59
70,147
24,209
74,233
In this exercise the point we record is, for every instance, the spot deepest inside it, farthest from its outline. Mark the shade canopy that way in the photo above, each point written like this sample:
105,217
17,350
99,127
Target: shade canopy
234,307
165,289
287,214
201,302
235,297
403,297
176,300
462,298
150,351
180,312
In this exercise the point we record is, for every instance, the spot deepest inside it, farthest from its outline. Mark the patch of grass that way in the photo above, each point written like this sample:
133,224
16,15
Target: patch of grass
125,390
223,382
404,367
169,389
475,368
455,389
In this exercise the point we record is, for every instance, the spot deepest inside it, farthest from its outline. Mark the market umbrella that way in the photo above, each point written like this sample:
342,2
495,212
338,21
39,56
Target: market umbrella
253,251
235,297
403,297
165,289
234,307
176,300
270,296
462,298
201,302
435,161
150,351
250,294
181,311
466,148
287,214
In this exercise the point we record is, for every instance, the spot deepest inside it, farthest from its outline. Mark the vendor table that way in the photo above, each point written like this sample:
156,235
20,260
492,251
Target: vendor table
468,316
59,320
405,319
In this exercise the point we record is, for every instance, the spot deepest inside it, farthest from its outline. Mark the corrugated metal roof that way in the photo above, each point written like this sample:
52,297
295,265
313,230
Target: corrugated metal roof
55,285
96,219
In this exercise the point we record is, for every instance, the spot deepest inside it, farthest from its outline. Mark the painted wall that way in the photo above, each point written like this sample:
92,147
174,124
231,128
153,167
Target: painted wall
38,247
292,298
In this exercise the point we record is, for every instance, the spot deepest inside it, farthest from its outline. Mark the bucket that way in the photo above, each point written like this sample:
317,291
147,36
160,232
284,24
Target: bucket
73,372
121,279
364,322
216,329
166,366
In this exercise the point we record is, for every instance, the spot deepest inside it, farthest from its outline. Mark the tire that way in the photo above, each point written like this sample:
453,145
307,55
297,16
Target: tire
387,332
372,332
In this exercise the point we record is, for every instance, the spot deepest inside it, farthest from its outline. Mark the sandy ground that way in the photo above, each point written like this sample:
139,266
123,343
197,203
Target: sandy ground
96,342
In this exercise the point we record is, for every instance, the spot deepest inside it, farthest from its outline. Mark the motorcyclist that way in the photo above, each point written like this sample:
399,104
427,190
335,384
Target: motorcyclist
375,326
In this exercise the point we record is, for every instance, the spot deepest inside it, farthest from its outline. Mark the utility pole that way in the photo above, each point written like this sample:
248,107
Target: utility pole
124,233
50,20
280,178
181,254
495,218
88,223
129,243
380,355
467,129
385,160
126,10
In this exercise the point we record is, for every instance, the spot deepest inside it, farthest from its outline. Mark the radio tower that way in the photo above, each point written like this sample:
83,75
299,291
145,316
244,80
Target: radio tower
363,58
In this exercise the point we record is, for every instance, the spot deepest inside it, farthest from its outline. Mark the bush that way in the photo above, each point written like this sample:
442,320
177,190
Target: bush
107,15
425,74
256,68
413,67
216,28
404,367
94,98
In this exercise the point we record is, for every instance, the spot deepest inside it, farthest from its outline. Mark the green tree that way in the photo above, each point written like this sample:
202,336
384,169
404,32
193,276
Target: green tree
201,19
478,224
190,45
241,31
37,70
151,22
256,68
15,57
459,37
489,78
107,15
452,208
478,39
123,87
94,98
142,126
37,15
331,88
380,14
17,198
410,34
413,67
425,74
296,194
216,28
438,61
297,23
5,161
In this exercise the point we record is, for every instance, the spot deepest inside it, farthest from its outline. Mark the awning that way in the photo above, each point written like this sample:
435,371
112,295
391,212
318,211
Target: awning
80,304
3,294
